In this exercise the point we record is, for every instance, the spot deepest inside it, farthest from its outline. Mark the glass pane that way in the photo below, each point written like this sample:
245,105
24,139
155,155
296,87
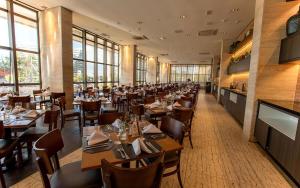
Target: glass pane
100,73
116,74
77,47
77,87
109,73
90,55
90,72
3,4
137,75
116,58
196,69
25,11
26,34
4,31
201,78
196,78
109,56
100,41
6,89
100,85
184,78
90,85
116,47
100,52
27,89
184,70
202,69
90,37
6,68
208,69
78,70
77,32
109,44
28,67
190,69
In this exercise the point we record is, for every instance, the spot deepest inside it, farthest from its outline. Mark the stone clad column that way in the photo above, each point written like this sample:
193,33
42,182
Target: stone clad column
127,65
56,51
267,78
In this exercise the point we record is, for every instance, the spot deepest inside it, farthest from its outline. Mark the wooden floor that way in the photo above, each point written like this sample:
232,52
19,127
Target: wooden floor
221,156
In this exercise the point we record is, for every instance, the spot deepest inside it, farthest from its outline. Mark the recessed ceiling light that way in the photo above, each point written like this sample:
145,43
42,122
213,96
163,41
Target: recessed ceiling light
139,22
178,31
162,38
224,20
235,10
188,35
182,17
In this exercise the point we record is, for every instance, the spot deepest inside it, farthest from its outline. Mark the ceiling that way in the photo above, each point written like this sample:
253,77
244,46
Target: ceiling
158,19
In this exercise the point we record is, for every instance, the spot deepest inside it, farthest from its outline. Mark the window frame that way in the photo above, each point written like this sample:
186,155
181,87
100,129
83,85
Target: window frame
141,69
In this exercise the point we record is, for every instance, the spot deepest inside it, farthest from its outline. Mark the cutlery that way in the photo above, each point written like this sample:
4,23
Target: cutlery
122,149
121,153
152,147
94,147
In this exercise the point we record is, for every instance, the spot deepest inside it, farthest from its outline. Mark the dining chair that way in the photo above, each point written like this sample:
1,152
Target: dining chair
33,133
174,129
149,176
7,148
138,109
109,118
185,115
24,100
149,99
91,111
69,115
130,98
69,175
55,96
185,103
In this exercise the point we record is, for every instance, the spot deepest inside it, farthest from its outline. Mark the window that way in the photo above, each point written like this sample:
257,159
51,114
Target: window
19,55
95,60
141,69
196,73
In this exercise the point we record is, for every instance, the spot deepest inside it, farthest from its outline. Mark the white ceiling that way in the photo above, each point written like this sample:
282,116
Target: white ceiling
161,18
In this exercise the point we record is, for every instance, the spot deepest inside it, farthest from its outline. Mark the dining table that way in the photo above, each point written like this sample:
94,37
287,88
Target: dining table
93,160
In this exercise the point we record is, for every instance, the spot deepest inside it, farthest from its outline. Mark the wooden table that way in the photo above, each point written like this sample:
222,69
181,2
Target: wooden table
93,160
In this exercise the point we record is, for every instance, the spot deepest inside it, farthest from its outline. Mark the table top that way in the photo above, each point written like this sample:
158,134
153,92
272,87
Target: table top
20,123
93,160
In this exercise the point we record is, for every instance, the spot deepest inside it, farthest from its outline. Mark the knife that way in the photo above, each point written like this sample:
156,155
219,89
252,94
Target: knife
152,147
122,150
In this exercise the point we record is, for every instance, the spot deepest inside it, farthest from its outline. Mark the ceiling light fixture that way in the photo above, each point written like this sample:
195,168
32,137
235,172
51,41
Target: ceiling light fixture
208,12
224,20
182,17
235,10
139,22
162,38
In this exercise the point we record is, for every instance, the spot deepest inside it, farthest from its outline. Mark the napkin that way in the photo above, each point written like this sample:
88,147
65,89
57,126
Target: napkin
138,146
176,104
155,104
117,123
151,129
170,107
103,99
31,114
97,137
78,99
18,110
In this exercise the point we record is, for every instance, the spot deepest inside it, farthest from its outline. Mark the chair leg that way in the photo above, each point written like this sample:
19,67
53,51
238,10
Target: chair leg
29,147
19,155
190,138
3,184
179,176
80,127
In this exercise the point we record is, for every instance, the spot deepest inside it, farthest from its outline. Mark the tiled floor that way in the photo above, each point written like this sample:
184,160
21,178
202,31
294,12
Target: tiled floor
221,156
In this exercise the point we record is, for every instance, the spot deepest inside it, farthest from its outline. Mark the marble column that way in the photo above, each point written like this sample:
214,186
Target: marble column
56,51
127,65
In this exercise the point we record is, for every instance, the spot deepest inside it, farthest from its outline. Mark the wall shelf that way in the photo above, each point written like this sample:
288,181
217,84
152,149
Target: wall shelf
241,66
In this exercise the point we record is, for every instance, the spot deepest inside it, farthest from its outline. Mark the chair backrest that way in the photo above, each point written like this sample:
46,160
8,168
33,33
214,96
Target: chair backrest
146,177
149,99
109,118
51,117
162,94
55,96
36,92
138,109
45,148
91,105
24,100
173,128
184,115
185,103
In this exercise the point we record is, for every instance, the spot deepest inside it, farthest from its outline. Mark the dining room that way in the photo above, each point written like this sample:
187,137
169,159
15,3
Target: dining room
137,93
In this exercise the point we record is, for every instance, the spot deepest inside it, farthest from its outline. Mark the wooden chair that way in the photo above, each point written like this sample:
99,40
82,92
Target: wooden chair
147,177
185,103
69,115
7,147
174,129
130,98
161,95
69,175
138,109
109,118
55,96
24,100
149,99
91,111
185,116
106,92
33,133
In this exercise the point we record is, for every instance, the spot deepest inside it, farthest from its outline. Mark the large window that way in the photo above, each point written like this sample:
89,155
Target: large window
19,48
195,73
95,60
141,69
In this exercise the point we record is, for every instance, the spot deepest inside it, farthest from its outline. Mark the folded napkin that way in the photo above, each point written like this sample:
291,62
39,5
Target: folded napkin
117,123
78,99
103,99
31,114
155,104
151,129
18,109
170,107
176,104
168,96
138,146
96,137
